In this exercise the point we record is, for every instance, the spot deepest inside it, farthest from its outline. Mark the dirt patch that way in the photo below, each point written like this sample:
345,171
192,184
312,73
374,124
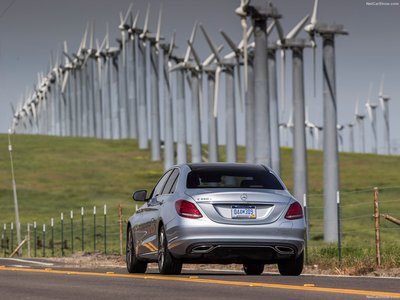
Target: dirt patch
84,260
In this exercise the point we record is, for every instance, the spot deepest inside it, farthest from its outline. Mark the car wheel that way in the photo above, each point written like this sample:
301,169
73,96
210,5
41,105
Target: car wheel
167,264
292,267
132,263
253,268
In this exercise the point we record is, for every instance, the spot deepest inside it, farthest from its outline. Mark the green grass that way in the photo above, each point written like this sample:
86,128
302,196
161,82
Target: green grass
55,175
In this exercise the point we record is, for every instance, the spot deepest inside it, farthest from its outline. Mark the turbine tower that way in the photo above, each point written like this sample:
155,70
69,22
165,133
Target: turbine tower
384,101
361,128
371,109
331,157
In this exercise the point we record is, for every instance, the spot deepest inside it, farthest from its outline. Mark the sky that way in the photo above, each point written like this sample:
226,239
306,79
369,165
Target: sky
30,30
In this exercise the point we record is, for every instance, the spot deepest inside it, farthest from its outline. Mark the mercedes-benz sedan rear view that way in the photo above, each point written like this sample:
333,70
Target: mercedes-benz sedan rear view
217,213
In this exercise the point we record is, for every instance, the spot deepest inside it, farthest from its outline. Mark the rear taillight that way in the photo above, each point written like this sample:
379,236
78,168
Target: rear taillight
187,209
294,212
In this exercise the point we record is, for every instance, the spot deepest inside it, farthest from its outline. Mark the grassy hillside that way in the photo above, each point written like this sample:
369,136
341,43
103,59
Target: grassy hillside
57,175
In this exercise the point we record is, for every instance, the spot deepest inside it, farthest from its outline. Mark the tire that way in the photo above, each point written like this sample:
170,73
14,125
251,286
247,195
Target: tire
253,268
167,264
292,267
132,263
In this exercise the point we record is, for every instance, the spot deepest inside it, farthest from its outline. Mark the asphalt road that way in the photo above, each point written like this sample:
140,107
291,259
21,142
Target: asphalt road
35,280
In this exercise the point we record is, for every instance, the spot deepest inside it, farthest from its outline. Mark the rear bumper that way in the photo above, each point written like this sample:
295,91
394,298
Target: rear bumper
209,242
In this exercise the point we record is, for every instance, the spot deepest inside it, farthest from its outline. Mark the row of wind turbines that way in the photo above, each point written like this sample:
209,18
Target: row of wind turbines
126,91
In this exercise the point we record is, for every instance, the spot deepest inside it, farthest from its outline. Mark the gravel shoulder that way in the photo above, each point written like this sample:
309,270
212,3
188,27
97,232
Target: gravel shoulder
80,260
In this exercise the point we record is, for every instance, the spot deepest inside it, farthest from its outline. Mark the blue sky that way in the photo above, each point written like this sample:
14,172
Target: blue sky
30,30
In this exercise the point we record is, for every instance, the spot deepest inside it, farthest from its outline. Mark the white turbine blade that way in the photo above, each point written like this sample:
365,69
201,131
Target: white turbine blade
201,101
216,90
314,13
146,22
229,41
187,54
92,35
370,114
123,48
134,23
172,44
243,23
65,51
239,82
296,29
65,79
177,67
107,35
195,55
356,112
159,27
249,33
127,13
211,57
210,43
270,27
280,31
314,69
283,79
121,18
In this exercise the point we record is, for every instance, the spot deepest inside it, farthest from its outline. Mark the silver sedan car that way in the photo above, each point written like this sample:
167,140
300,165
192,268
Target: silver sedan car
217,213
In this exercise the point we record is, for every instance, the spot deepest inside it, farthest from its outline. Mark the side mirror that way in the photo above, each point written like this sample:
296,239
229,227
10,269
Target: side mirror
140,195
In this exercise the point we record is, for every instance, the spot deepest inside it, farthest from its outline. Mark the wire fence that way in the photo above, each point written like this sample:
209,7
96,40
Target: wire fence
70,233
93,231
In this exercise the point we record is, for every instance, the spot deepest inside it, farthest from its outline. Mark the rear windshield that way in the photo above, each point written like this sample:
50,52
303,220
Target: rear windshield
231,178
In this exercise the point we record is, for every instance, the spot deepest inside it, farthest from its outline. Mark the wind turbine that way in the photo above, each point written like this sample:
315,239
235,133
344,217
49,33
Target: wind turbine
384,101
351,136
331,156
227,66
361,129
290,41
152,88
371,109
259,15
195,87
339,128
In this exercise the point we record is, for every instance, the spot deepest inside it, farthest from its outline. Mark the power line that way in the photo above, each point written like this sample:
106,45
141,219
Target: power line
7,8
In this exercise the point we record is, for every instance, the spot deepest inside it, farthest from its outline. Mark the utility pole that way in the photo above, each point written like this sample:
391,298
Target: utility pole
17,223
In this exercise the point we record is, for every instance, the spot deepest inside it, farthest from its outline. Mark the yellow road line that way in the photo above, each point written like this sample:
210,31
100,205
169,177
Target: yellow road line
215,281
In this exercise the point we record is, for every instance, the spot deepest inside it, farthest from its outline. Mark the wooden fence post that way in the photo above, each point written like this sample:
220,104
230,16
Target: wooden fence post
377,227
120,228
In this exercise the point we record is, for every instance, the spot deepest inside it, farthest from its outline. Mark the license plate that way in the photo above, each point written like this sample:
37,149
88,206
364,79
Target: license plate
243,212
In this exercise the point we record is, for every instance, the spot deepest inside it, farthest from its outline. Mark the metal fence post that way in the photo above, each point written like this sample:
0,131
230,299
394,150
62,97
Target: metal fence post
94,229
34,239
72,231
52,236
306,224
44,240
3,239
120,228
12,237
377,227
105,229
28,238
339,227
83,229
62,234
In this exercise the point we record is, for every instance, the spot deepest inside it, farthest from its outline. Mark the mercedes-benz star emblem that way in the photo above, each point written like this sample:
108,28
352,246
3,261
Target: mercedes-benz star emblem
243,197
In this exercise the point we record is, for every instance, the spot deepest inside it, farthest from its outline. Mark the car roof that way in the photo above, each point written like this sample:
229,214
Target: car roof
226,166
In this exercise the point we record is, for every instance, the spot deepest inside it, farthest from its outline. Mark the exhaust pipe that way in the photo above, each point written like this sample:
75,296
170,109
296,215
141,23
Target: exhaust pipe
284,250
202,249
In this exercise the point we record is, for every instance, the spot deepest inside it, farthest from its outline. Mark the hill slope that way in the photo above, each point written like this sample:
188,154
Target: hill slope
55,175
